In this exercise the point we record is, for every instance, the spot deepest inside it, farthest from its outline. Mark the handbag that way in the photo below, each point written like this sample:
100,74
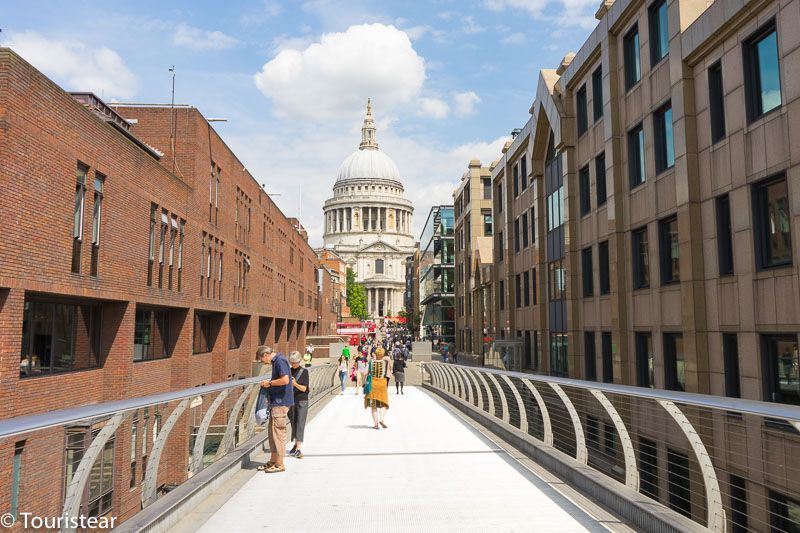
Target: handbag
262,406
368,384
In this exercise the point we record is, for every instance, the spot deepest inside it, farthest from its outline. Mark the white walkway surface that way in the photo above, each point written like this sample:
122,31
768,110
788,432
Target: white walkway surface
428,471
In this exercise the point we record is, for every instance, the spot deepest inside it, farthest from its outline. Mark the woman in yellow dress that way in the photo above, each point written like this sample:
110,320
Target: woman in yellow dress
377,395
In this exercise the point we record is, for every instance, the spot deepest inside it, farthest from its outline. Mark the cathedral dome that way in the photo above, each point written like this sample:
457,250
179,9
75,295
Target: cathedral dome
365,163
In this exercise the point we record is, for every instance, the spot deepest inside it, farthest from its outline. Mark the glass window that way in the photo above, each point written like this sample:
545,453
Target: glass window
587,272
738,492
583,183
669,250
151,339
516,235
524,223
604,267
724,236
716,102
633,66
773,223
487,224
523,171
600,178
487,188
679,483
526,288
608,357
674,362
515,172
558,282
77,216
16,477
582,111
636,166
592,431
99,497
558,354
237,325
762,76
203,341
555,211
589,356
597,93
659,34
665,148
58,337
782,382
648,468
641,259
379,266
645,376
784,513
730,354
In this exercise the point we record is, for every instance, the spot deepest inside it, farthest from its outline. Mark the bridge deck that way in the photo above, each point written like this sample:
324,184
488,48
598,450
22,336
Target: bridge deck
429,471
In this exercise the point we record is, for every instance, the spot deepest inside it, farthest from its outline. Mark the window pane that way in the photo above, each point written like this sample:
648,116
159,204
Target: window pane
779,245
782,363
659,32
600,179
769,77
669,145
597,93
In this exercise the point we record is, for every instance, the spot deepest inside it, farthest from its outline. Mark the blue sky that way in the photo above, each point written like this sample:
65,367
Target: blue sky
449,79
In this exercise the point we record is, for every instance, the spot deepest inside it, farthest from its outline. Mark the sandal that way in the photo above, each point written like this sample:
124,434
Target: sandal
274,468
375,427
384,425
265,466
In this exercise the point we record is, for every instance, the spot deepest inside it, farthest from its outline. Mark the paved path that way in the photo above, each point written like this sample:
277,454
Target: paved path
428,472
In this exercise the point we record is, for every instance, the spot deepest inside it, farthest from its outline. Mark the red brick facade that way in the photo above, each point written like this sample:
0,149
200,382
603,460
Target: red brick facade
268,282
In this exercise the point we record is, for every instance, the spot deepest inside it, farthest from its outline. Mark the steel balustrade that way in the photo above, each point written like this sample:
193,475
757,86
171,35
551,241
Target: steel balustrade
633,400
114,413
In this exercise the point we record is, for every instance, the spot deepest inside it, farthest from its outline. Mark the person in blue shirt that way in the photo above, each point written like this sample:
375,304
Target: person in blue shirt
281,398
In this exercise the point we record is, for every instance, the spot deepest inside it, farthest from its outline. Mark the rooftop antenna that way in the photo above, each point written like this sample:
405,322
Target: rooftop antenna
172,115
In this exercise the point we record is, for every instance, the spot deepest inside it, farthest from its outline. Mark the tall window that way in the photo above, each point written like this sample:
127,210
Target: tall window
583,182
533,286
738,492
784,513
761,72
77,216
608,357
633,65
502,295
597,93
678,483
582,111
173,237
162,247
59,336
558,281
730,354
515,172
16,477
587,272
669,250
518,290
98,500
600,178
97,213
487,224
589,356
558,354
523,171
648,468
379,266
664,148
644,360
524,228
516,235
641,258
780,368
716,102
151,337
604,267
636,172
674,362
724,236
659,34
181,229
237,326
204,336
487,188
526,288
555,213
532,218
772,223
151,255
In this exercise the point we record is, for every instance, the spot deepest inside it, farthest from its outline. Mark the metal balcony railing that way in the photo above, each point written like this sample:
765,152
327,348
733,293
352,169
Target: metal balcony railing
728,464
188,415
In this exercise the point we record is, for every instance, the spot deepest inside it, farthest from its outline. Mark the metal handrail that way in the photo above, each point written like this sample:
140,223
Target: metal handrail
765,409
28,423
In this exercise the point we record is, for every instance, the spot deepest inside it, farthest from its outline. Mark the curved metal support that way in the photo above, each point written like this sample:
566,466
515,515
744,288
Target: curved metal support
150,476
581,453
523,415
465,383
715,513
547,426
488,392
503,401
228,442
455,383
631,471
434,374
77,487
478,395
449,385
200,441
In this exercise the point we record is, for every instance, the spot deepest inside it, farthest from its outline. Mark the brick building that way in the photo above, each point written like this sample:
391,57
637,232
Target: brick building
128,268
472,202
652,200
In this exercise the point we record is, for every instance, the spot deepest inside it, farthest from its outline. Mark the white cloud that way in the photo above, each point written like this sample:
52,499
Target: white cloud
514,38
199,40
433,107
563,13
465,102
267,10
76,65
470,27
417,32
333,77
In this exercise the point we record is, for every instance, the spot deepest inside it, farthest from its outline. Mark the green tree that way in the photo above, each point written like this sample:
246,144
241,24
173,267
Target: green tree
350,280
357,301
402,313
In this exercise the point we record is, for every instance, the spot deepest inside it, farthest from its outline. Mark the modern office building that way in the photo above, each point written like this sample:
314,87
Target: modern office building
472,207
647,219
128,269
437,276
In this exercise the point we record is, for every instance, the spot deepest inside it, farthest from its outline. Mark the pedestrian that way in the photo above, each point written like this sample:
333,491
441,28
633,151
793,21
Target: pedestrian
281,398
376,393
343,372
455,356
399,373
361,372
299,411
346,353
308,355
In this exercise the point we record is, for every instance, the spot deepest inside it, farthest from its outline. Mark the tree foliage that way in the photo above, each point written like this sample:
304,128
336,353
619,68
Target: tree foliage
357,301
